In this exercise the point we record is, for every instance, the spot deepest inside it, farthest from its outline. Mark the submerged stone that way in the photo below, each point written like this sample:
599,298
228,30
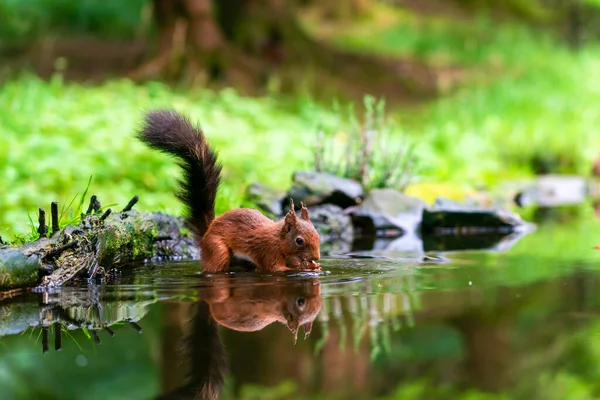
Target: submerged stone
315,188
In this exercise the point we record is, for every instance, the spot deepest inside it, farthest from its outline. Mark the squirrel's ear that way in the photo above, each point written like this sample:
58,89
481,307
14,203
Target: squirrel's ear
289,223
290,217
304,213
293,325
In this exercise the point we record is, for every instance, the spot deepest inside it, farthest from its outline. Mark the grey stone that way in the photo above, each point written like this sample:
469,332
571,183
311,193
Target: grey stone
448,218
554,190
266,198
389,209
314,188
332,223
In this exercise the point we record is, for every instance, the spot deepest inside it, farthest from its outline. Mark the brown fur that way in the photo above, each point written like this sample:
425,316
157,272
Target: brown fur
252,308
288,245
271,246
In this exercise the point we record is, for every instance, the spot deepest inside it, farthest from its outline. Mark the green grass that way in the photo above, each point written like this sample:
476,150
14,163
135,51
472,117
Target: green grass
56,135
543,112
527,98
527,101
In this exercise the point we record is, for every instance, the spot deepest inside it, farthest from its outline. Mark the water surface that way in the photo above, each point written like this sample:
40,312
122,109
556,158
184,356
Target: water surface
517,323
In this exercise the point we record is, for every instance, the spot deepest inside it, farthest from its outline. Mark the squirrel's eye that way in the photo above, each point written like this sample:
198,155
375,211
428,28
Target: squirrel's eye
300,301
299,241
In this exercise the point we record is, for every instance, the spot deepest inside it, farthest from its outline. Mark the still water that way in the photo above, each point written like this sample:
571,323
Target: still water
522,321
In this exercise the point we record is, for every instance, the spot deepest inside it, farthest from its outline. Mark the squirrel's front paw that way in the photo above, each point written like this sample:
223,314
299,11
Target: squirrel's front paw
312,266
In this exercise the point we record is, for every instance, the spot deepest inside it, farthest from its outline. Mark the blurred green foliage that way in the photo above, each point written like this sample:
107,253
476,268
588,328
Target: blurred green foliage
526,99
56,135
31,19
526,104
368,147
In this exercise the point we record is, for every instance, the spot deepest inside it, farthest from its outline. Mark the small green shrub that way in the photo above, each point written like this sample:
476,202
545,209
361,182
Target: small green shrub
373,151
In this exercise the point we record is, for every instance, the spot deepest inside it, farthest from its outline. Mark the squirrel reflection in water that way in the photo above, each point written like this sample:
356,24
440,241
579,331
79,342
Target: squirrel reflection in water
246,307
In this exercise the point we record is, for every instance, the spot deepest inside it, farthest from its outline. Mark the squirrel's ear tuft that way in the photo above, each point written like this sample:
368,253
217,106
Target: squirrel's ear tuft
290,217
307,329
304,213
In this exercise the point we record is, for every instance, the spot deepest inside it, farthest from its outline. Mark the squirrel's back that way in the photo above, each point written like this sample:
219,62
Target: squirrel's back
174,134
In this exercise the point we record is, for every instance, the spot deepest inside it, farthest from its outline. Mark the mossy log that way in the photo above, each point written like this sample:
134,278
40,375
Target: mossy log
103,242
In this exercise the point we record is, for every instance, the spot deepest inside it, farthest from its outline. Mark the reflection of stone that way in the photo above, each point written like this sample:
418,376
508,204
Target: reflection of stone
409,243
254,305
493,242
71,310
447,217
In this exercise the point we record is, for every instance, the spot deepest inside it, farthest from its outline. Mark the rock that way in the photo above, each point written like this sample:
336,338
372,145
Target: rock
390,211
450,218
331,223
314,188
17,269
449,204
554,190
266,198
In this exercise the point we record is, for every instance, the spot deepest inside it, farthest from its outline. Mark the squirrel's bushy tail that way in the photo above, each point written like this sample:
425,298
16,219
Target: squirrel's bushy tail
172,133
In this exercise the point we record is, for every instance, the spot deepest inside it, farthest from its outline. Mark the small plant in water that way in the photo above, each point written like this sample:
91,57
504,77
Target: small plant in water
372,151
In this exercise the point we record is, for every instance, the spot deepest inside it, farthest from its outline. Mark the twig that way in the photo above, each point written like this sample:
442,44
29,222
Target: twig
42,228
131,203
96,337
105,215
57,337
94,205
110,332
162,238
135,326
93,264
319,151
54,213
44,340
60,249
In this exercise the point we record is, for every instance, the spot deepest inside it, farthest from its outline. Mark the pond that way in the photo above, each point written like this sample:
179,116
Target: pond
521,321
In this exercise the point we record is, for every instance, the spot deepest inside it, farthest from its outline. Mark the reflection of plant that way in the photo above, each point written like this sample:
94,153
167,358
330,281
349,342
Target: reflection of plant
372,152
387,309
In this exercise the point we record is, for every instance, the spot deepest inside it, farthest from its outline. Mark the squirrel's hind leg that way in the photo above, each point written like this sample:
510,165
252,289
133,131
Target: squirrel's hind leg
216,256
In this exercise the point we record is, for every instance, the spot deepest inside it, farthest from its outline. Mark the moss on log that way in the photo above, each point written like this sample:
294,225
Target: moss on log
101,243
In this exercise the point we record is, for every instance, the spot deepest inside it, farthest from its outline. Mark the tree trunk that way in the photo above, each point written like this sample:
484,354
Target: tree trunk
246,43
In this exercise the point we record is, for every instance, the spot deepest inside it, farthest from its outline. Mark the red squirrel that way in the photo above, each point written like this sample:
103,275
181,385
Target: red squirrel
255,304
291,244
